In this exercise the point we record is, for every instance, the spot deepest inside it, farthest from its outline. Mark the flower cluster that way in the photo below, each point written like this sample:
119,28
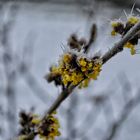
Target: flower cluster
122,28
74,69
27,126
48,129
32,125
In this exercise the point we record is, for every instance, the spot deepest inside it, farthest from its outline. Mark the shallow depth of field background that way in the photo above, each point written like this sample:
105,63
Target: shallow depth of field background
33,35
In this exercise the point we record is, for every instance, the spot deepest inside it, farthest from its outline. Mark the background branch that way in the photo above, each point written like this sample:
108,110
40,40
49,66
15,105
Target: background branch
130,105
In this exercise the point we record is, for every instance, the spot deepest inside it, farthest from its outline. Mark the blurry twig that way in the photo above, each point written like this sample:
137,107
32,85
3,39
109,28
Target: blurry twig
93,34
71,117
126,111
9,69
89,120
33,83
126,86
24,69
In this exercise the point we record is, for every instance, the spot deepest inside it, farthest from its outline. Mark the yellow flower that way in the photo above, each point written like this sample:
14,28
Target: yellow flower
117,27
84,69
113,33
55,69
115,24
133,20
22,137
96,68
131,47
67,58
128,45
84,83
82,62
90,65
72,70
49,128
76,78
133,51
36,121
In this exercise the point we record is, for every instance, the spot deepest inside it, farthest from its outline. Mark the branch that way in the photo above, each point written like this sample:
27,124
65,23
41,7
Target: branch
93,34
118,47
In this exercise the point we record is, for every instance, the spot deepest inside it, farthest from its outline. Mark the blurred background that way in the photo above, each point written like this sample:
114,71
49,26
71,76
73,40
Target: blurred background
32,35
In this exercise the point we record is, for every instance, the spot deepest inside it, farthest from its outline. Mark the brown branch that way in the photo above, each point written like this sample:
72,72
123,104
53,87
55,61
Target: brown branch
118,47
64,94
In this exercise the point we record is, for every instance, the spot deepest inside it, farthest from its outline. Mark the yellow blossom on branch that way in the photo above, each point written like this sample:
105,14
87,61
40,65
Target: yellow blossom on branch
49,128
133,19
131,47
73,69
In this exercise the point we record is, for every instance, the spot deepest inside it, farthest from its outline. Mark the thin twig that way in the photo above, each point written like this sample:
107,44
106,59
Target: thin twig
93,34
